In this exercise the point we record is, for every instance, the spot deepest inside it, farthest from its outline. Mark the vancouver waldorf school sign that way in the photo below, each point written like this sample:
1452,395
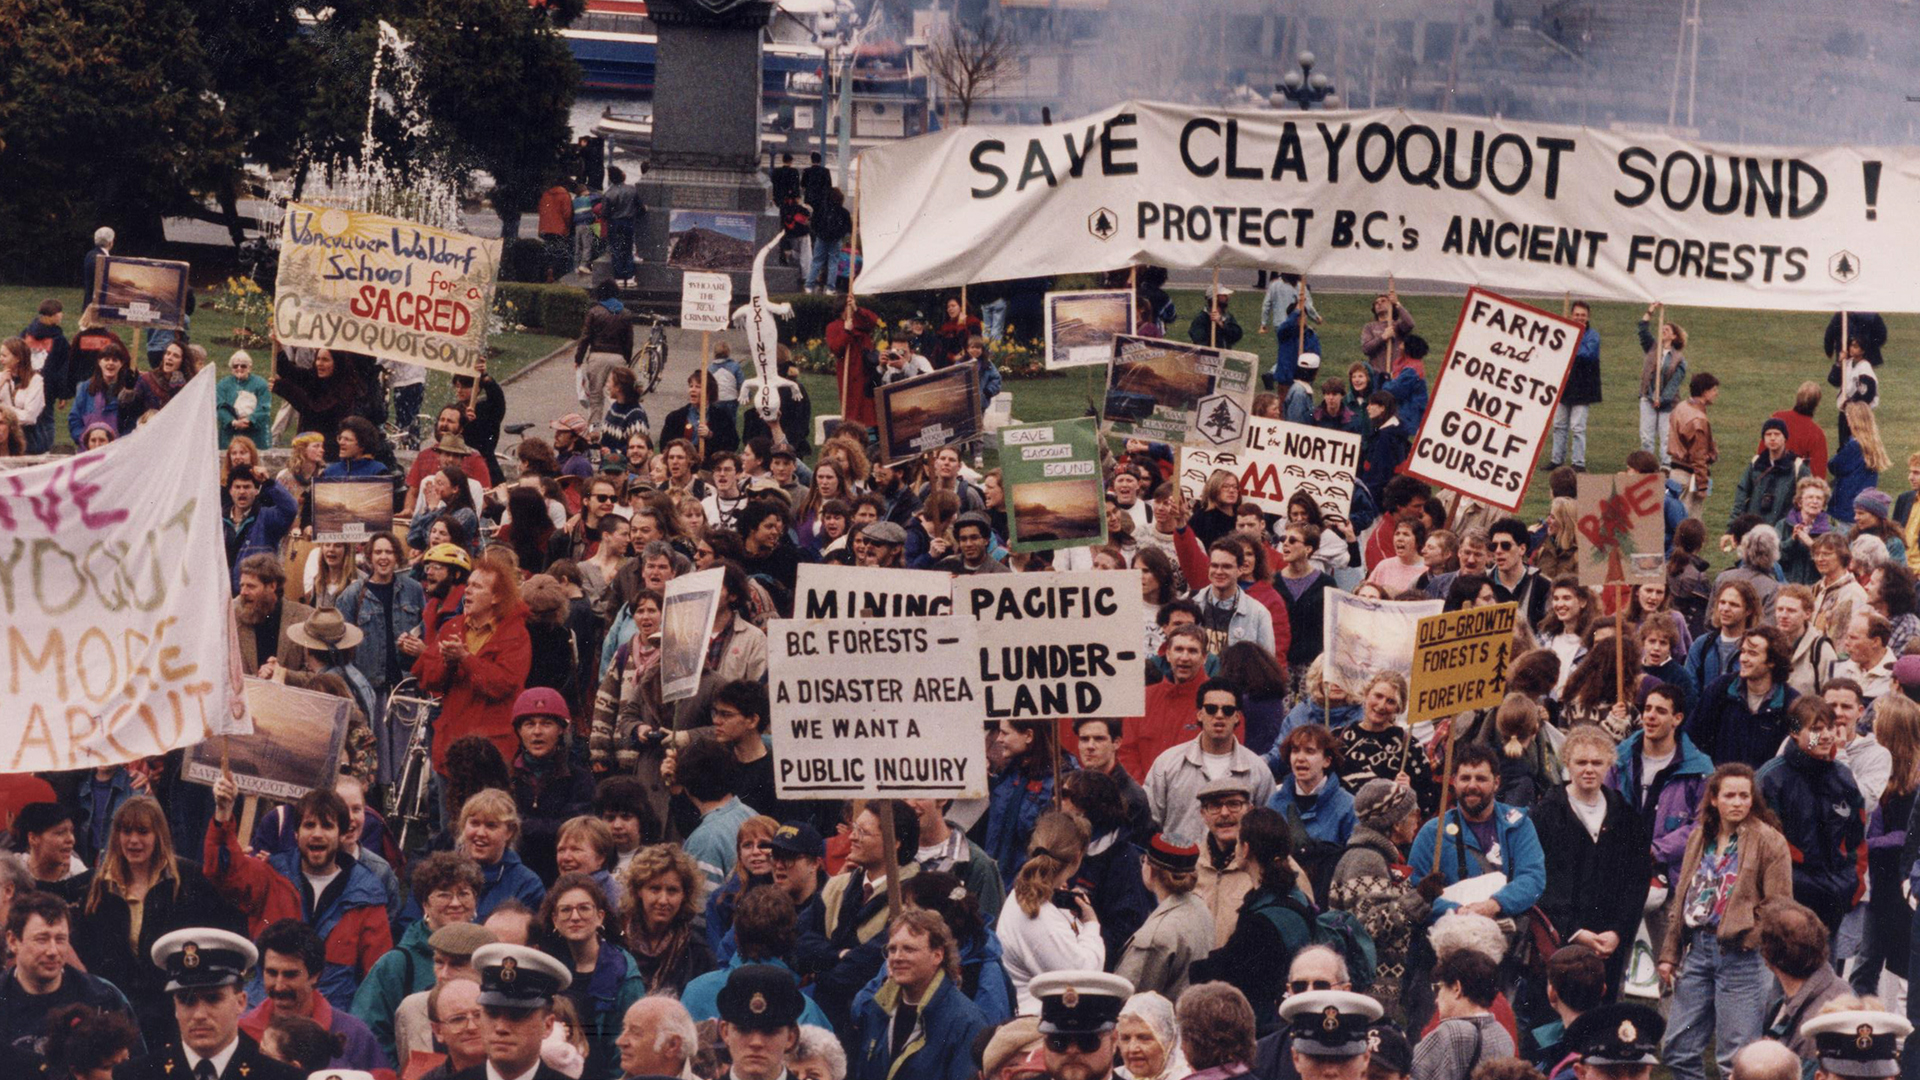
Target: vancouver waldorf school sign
1507,205
378,285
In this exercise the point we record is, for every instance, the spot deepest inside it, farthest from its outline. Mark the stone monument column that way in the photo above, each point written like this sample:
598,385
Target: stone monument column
705,156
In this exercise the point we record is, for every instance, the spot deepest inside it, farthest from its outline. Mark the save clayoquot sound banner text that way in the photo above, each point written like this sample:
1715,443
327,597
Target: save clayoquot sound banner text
378,285
1505,205
114,599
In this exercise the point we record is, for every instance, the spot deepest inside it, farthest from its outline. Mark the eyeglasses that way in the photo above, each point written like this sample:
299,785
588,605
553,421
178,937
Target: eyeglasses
465,1019
1301,986
1502,545
1219,710
1086,1042
575,911
1223,806
445,896
598,497
763,845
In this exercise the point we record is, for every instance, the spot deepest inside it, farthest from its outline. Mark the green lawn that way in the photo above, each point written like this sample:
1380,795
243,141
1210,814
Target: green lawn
1760,357
213,329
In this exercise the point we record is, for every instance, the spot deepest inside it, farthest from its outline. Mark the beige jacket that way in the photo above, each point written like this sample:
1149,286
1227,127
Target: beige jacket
1766,870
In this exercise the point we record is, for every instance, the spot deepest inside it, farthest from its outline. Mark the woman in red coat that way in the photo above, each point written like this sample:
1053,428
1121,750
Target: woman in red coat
850,340
479,661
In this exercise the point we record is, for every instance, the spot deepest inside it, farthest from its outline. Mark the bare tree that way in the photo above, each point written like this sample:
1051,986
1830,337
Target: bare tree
969,60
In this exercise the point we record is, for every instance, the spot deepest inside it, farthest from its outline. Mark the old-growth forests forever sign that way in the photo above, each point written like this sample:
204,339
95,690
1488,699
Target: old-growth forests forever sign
1494,399
389,288
114,601
1506,205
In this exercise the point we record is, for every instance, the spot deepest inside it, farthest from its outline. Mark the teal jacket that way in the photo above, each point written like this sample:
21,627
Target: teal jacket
408,969
227,391
1522,860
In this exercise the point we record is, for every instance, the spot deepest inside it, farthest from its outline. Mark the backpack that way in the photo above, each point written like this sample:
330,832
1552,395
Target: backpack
1339,931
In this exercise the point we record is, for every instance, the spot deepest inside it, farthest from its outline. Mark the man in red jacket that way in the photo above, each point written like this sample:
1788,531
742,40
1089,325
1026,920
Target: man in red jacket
317,883
479,662
1170,717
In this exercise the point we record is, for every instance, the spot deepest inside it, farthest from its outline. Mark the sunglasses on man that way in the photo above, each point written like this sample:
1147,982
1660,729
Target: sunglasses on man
1086,1042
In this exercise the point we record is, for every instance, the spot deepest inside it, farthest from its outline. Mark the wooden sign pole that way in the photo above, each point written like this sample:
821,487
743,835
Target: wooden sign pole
1625,597
883,813
1446,793
700,399
1213,324
1300,309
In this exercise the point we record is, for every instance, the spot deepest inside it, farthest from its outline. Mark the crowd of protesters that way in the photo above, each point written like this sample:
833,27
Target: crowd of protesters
1688,821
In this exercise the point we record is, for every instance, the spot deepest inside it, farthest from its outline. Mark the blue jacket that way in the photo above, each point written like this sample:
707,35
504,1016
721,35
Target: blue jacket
1672,510
409,600
614,985
1523,862
1014,803
274,513
1703,661
1848,468
702,995
358,468
1726,730
1676,801
1410,390
90,408
1327,816
1824,819
337,982
982,978
1381,454
1286,351
944,1051
1298,401
227,392
90,833
508,878
1310,712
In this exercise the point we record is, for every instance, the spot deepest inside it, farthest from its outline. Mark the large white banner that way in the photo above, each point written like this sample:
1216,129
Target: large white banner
875,709
113,584
1507,205
1494,399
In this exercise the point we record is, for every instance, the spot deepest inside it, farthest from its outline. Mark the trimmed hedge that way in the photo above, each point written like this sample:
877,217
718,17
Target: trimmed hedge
812,313
522,259
559,310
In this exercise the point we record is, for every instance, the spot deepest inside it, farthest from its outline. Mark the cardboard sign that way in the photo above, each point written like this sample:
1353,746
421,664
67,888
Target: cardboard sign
1081,326
150,293
1282,458
1622,523
1198,463
686,626
927,412
1056,645
1051,473
705,300
1365,635
1460,661
1172,392
366,283
295,746
1493,402
115,609
830,591
875,709
348,511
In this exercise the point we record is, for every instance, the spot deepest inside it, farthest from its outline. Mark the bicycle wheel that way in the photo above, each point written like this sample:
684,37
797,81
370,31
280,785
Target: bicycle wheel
656,362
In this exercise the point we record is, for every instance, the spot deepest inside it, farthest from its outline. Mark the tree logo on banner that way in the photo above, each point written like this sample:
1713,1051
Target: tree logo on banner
1225,419
1844,266
1103,223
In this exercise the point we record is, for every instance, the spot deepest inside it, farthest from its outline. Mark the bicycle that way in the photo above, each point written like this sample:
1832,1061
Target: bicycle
409,809
651,360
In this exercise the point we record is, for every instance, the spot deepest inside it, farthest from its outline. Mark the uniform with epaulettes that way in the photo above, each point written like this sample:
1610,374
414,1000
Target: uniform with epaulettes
197,959
516,977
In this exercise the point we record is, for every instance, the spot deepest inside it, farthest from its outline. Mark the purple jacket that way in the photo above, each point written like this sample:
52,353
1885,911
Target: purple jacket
1675,808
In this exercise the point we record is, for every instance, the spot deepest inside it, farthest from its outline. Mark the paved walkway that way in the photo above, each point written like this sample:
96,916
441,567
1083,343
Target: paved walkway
545,391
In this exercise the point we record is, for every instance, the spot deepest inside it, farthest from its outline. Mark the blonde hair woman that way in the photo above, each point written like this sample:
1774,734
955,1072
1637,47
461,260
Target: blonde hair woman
663,886
1858,463
1036,934
487,831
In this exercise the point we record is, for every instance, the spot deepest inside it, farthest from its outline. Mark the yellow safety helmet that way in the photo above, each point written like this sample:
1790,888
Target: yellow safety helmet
450,555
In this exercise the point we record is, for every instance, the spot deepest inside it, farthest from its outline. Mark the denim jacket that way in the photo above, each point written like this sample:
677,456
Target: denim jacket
409,600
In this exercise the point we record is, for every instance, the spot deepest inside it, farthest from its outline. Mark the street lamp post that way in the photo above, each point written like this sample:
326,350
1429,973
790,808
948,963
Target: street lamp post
1305,88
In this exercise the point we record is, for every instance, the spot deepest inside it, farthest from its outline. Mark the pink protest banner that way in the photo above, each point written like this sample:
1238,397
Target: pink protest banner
114,612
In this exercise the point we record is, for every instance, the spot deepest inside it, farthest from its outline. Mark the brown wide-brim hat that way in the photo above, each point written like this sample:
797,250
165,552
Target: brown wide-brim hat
325,630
